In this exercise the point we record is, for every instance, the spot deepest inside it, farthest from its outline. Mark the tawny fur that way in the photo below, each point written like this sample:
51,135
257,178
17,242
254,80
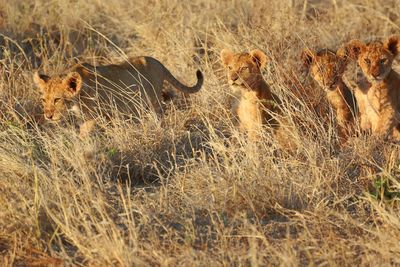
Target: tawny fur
255,101
99,91
327,69
379,94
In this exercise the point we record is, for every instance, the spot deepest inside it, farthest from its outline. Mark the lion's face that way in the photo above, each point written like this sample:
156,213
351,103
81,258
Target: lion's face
326,67
243,69
57,93
375,62
375,59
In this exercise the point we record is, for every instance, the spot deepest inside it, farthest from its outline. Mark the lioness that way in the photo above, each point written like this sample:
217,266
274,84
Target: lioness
95,90
327,68
256,100
379,95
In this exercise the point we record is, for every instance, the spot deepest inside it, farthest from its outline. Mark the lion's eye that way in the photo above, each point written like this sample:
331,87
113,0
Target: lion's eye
230,67
367,61
383,60
245,68
56,100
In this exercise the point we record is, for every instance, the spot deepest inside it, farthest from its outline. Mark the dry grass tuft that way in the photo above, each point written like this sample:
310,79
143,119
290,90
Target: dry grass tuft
187,188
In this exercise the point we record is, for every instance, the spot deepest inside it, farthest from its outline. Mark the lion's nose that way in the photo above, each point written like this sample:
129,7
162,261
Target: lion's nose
376,72
48,116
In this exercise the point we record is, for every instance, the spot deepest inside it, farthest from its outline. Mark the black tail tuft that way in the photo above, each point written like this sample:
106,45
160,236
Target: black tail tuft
199,75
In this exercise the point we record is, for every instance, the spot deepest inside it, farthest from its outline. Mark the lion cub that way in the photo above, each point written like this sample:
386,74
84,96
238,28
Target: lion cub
379,94
256,100
91,91
327,68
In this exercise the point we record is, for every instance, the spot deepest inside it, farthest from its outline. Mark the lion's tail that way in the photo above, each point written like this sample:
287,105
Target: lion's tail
185,89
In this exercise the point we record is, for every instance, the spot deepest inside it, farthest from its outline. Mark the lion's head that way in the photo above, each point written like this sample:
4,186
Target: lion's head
244,69
325,66
375,59
57,93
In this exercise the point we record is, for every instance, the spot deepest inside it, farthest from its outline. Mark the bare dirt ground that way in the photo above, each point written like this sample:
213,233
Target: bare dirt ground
187,188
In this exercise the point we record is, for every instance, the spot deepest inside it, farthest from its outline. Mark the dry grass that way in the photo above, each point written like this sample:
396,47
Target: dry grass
187,188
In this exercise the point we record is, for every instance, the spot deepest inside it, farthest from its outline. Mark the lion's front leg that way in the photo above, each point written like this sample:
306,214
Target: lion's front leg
344,121
365,124
387,121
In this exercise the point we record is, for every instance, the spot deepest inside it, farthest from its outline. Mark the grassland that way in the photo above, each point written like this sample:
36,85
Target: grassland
186,188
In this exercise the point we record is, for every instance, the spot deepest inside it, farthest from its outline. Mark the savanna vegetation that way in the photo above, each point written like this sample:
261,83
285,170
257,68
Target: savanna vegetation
188,188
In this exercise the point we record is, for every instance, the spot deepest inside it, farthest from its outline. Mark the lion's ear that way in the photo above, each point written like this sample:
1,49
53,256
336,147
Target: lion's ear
393,44
40,80
342,53
226,56
352,49
307,57
73,83
259,57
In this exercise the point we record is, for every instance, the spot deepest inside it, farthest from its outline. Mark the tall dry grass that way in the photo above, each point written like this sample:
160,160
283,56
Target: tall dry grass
187,188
